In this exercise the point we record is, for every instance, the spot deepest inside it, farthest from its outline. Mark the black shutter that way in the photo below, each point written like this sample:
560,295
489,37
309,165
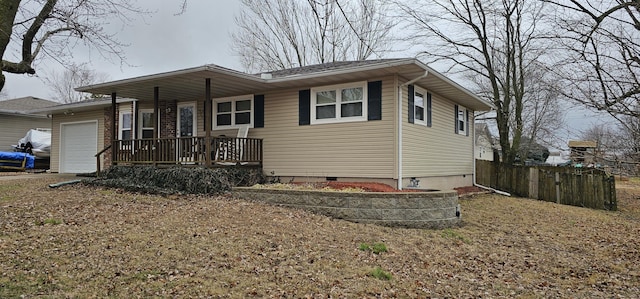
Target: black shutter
411,94
374,100
304,107
455,114
467,111
258,108
428,109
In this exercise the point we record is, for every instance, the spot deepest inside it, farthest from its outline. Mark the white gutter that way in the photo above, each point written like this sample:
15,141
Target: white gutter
400,120
22,113
80,106
474,165
455,84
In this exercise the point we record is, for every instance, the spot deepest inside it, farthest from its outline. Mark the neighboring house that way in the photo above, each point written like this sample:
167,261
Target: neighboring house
484,147
388,121
16,119
582,151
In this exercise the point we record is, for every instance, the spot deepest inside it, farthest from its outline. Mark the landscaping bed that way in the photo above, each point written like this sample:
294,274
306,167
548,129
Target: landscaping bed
361,187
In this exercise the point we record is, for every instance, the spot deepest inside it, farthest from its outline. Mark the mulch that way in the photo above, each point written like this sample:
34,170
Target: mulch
380,187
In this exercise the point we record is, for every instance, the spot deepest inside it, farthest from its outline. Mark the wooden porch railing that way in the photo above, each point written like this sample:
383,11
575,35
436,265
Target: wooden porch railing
98,168
224,151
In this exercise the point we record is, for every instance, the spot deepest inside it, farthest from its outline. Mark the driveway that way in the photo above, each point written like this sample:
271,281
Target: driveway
29,175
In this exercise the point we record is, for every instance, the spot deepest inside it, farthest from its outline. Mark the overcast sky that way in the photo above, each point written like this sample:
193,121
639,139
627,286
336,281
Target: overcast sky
164,41
158,42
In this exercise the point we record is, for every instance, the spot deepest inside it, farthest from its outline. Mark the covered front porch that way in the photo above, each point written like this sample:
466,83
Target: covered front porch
189,151
178,130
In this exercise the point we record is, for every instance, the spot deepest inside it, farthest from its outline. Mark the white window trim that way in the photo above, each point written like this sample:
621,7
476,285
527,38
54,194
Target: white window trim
121,125
423,92
140,123
339,118
233,101
462,130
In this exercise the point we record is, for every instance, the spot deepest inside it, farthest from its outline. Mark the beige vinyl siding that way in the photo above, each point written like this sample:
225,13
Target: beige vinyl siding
356,149
15,127
436,150
57,119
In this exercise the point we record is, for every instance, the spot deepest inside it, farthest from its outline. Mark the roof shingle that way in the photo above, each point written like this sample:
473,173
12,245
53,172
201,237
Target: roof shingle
327,67
22,105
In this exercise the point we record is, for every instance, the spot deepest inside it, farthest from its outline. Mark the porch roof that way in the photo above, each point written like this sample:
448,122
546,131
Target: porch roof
190,83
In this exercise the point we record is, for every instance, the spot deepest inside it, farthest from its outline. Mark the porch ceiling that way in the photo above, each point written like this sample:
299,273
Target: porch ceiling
189,84
183,84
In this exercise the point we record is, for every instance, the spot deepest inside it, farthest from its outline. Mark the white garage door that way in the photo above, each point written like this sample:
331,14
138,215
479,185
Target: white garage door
78,145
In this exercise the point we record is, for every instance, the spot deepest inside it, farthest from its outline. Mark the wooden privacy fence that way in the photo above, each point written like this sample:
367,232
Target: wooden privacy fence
583,187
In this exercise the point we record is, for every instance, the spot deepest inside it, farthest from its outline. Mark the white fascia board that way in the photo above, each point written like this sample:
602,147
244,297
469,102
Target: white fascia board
79,105
454,84
22,113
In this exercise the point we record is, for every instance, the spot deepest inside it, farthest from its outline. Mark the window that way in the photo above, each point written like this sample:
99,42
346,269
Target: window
419,108
462,119
146,124
339,103
125,124
233,112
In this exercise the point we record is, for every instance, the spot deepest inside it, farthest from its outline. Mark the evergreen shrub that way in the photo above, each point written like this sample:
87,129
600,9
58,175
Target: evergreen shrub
183,180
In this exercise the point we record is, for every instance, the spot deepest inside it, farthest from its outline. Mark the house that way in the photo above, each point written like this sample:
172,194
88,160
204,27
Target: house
389,120
582,151
484,148
16,119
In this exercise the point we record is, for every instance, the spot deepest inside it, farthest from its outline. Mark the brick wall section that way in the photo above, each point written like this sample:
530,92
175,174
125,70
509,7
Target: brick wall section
410,209
168,110
106,156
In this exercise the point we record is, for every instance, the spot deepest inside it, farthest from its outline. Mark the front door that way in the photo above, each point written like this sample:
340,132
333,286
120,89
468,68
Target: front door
186,129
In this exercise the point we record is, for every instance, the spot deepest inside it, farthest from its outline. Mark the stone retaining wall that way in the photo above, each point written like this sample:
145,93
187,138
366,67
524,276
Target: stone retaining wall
406,209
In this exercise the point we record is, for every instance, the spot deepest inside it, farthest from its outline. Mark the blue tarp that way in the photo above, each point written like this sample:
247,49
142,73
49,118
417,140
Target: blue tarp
8,159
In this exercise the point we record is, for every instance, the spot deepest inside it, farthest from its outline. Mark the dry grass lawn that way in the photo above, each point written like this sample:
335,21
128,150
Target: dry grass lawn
78,241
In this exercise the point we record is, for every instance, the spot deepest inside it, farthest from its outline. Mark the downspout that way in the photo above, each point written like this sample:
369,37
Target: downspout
474,165
400,120
113,127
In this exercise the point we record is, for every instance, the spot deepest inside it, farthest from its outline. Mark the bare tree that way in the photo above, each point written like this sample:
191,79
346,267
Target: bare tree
618,147
606,138
628,137
494,41
63,83
543,113
277,34
31,29
4,94
602,66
